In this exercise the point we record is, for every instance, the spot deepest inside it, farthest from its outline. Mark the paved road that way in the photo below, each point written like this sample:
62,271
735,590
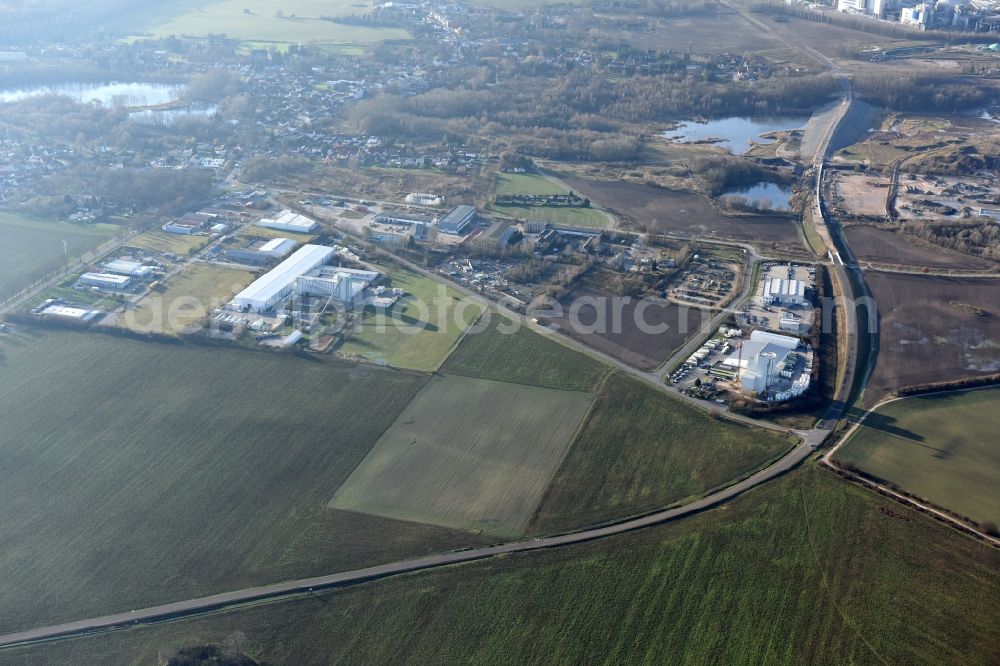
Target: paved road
216,602
652,378
811,439
827,231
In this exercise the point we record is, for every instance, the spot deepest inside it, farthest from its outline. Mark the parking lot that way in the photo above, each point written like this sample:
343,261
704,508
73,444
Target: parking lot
780,316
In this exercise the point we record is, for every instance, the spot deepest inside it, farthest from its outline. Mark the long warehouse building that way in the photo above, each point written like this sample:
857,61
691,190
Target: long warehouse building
271,288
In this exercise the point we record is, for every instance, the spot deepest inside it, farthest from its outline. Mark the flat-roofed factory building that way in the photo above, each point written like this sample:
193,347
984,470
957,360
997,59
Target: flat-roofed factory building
277,248
129,268
104,281
785,292
343,285
458,220
289,221
279,283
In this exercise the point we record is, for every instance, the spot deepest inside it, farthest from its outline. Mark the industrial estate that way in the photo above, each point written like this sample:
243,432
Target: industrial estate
596,332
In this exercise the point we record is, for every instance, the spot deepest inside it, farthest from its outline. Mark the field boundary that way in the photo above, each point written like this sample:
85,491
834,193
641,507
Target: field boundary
288,589
940,513
681,502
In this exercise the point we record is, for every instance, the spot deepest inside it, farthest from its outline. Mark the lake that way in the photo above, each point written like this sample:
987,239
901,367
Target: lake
734,132
776,196
115,94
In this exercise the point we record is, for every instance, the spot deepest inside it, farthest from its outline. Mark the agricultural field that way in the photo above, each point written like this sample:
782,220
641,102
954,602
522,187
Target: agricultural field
589,315
941,447
933,329
829,39
805,570
284,21
523,357
509,183
886,246
701,33
641,449
161,241
135,473
34,248
658,210
469,454
188,298
419,331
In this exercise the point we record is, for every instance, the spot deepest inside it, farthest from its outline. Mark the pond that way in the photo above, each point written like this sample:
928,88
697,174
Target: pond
770,196
114,94
734,132
170,116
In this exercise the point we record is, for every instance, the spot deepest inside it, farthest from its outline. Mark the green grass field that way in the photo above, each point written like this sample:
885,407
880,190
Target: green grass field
187,299
134,473
940,447
419,331
33,248
523,183
467,453
805,570
527,183
161,241
523,357
253,231
295,21
641,449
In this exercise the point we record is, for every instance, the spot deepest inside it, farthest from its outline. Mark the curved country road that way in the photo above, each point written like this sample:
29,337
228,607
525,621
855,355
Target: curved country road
811,439
215,602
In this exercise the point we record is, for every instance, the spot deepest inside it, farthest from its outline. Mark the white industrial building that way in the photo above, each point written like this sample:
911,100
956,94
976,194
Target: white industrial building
877,8
918,16
761,360
289,221
341,284
104,280
784,292
130,268
423,199
268,290
67,312
791,322
277,248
